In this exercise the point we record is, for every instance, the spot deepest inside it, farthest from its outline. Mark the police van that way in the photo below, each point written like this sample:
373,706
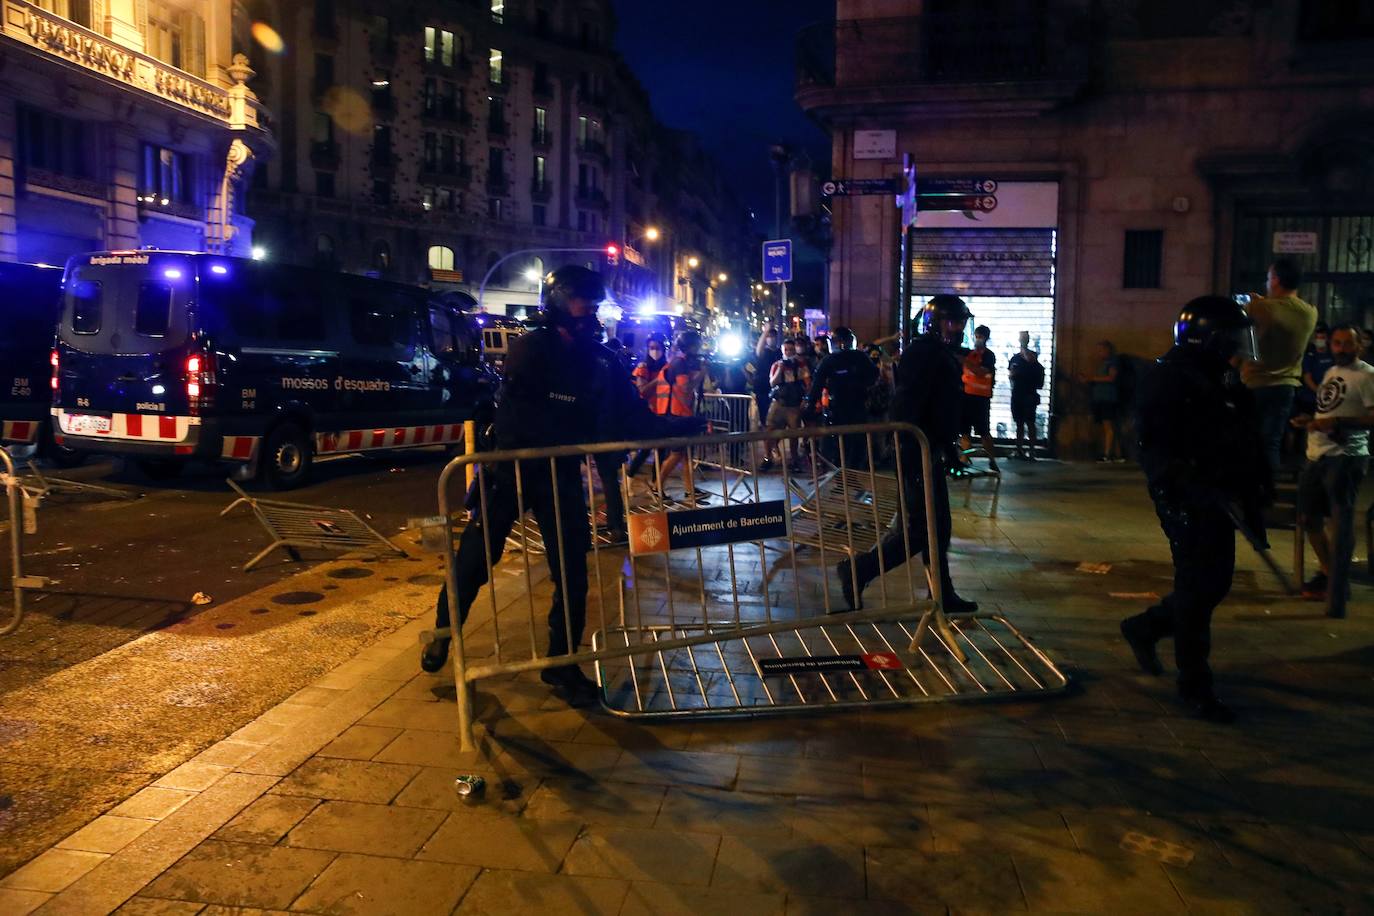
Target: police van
172,356
32,296
497,334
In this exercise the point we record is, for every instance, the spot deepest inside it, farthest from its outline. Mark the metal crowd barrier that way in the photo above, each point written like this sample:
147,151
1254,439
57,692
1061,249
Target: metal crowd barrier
697,618
298,525
21,502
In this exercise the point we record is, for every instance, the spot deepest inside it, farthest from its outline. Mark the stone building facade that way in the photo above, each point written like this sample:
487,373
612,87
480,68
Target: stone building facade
428,141
124,124
1145,152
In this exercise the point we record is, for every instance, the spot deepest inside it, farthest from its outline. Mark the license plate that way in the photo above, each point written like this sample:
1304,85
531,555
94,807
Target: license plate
83,423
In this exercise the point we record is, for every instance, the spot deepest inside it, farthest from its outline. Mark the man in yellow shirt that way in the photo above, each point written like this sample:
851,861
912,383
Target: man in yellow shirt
1283,325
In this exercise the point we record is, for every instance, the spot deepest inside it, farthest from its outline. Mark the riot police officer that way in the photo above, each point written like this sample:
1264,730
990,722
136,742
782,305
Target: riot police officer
1204,464
929,389
562,386
848,375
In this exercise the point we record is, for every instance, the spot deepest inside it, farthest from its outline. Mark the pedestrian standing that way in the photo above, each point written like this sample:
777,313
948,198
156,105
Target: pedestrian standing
791,380
1104,398
929,390
766,353
979,376
1204,465
846,375
1027,378
1337,461
682,378
1283,325
560,384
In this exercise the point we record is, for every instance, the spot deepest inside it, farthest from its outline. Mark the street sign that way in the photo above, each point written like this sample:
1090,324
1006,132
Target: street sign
875,144
984,203
1295,243
853,187
958,186
777,261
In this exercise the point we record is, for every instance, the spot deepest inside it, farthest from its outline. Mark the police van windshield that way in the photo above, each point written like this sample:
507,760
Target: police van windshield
134,305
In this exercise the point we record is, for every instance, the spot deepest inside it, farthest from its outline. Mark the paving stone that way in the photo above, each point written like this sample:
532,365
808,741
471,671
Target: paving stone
806,776
522,893
153,803
107,833
624,805
1073,882
501,842
433,788
973,830
967,882
360,742
267,820
14,902
559,759
53,870
241,874
194,775
798,905
793,864
394,713
706,810
862,823
367,829
652,899
154,906
669,767
425,748
643,855
376,886
347,780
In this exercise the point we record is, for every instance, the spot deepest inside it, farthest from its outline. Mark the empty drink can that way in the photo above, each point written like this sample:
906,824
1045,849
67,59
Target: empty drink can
469,788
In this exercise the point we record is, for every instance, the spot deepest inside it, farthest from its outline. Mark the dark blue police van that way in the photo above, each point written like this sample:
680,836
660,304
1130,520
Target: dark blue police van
171,356
30,298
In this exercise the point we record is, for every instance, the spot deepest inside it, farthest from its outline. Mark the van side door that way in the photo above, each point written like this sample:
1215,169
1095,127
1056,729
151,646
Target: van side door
466,387
384,379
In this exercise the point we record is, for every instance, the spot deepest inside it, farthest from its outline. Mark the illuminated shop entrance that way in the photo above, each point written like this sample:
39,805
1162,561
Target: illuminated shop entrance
1003,266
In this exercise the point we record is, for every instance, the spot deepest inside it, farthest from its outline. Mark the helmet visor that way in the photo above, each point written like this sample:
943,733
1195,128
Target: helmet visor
1238,343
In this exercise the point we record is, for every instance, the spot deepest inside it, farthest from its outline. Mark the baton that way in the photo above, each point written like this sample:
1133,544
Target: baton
1260,548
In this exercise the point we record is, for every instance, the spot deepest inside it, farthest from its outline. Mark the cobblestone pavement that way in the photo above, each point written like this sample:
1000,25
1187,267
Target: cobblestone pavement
1107,799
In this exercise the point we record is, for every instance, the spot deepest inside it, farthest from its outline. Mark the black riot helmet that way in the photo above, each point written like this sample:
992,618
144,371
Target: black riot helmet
1218,325
945,307
688,339
843,338
565,284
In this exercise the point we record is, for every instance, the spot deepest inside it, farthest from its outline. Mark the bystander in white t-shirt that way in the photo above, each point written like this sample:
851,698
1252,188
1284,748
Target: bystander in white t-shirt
1346,391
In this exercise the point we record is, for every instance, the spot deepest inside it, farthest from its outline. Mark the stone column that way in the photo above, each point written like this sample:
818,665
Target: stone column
9,223
121,223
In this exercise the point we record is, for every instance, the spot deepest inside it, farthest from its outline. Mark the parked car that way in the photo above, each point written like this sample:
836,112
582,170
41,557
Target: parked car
172,356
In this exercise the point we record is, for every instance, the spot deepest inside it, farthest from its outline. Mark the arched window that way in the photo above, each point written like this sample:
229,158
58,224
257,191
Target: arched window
440,257
381,257
324,250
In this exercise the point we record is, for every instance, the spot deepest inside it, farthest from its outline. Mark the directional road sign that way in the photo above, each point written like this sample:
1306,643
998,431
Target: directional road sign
777,261
958,186
981,202
851,187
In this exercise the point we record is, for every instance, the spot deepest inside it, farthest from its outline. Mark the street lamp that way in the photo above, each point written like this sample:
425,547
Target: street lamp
532,275
693,262
722,276
651,234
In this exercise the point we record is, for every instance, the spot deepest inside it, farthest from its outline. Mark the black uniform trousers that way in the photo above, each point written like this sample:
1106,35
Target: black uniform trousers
853,444
896,549
608,469
1202,541
537,489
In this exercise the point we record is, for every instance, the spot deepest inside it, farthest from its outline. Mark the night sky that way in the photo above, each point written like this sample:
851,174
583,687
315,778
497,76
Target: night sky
724,70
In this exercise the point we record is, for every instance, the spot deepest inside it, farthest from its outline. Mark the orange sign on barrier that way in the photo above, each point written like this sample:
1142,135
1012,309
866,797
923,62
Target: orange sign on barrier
648,533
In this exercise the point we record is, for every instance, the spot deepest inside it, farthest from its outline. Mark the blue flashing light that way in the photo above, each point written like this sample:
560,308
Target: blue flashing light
172,273
219,269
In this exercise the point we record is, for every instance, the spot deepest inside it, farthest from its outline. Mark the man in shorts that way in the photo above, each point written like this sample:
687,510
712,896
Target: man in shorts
791,379
1337,460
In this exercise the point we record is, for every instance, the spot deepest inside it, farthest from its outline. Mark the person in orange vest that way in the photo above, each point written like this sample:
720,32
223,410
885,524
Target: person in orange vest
680,384
979,376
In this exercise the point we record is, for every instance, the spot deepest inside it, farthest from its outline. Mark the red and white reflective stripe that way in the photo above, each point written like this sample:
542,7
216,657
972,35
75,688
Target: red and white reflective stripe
18,430
360,440
140,426
239,448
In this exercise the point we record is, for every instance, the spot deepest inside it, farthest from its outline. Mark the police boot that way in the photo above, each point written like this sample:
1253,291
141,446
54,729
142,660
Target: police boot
1136,632
853,597
571,685
1207,707
433,655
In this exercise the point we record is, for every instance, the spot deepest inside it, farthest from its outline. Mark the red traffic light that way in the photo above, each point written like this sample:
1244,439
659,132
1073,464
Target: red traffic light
612,255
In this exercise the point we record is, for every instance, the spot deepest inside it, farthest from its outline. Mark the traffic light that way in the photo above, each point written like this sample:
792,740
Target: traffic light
612,255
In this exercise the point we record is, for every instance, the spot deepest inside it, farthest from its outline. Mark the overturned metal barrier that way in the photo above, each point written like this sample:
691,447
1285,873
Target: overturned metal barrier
22,505
737,607
45,486
297,525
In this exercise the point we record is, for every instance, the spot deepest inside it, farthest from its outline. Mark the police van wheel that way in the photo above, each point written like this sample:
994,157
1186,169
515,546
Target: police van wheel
286,457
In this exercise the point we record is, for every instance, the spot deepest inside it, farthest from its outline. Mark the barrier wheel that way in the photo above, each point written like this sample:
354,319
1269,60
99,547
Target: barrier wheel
286,457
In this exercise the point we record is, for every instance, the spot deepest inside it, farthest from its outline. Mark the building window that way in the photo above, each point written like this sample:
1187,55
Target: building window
494,208
1143,259
381,90
496,72
448,154
430,160
496,162
54,143
440,258
166,176
381,257
324,184
438,46
324,250
583,132
541,79
176,36
540,172
78,11
539,215
498,11
541,125
443,199
381,191
381,145
323,131
324,73
496,116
